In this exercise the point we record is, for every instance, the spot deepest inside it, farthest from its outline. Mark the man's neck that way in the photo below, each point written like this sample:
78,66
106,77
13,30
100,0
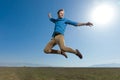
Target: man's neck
60,18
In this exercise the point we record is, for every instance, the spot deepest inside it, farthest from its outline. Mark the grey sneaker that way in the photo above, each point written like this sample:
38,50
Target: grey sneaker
79,54
63,53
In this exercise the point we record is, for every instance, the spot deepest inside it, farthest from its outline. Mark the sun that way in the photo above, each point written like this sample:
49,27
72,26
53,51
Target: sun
103,14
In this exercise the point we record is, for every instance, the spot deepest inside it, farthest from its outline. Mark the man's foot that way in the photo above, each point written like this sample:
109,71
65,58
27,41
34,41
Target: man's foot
79,54
63,53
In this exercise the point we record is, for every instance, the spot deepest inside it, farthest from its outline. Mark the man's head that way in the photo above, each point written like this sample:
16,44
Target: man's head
60,13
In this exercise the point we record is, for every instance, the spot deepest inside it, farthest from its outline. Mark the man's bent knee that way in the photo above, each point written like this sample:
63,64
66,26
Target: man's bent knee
47,51
63,49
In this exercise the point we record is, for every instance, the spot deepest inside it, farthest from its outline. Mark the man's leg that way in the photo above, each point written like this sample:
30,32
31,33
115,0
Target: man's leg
48,49
61,43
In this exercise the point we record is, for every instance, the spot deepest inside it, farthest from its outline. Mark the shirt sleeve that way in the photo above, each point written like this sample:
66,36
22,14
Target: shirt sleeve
71,22
53,20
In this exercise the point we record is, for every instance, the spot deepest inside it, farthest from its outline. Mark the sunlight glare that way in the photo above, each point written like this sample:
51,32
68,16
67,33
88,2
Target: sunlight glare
103,14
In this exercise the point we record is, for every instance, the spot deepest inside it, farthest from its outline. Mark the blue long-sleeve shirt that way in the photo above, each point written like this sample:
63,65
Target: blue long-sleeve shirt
60,25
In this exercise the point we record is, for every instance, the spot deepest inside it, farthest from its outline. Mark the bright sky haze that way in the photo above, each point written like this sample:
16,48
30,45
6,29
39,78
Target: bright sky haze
25,30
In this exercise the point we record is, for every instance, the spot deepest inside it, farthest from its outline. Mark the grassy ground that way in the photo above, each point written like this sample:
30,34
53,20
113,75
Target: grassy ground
27,73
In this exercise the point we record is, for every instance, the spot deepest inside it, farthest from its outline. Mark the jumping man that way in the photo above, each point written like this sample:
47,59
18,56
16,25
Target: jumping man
58,35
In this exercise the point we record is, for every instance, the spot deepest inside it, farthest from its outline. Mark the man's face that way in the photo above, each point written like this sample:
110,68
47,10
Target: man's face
61,14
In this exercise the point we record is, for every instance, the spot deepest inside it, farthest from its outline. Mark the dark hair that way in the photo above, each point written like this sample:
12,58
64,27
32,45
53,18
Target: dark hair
60,10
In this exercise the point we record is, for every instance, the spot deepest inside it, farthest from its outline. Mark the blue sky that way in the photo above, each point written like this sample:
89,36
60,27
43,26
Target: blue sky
25,30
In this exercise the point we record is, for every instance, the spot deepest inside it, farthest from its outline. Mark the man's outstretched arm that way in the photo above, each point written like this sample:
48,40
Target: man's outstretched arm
79,24
85,24
51,18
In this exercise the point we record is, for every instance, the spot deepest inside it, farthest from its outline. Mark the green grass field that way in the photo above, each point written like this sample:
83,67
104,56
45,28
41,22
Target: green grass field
31,73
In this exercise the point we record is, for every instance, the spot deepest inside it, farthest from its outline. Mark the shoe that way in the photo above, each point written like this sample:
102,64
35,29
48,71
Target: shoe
79,54
63,53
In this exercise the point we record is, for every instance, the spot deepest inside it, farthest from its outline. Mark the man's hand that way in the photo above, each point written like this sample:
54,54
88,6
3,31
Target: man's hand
49,15
89,24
